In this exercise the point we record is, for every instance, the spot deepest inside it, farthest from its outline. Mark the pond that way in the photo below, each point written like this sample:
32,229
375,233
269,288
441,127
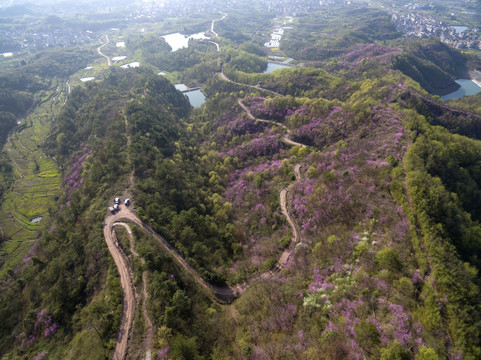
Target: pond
85,79
459,29
36,219
468,87
273,67
196,98
178,41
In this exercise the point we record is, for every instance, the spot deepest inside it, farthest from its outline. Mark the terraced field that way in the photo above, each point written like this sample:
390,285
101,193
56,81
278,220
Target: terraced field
37,181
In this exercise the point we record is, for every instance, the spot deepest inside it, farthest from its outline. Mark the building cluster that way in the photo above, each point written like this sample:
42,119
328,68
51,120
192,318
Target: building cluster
289,7
423,26
275,39
159,8
39,40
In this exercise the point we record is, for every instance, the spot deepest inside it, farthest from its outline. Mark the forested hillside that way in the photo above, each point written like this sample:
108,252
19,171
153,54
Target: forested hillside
327,210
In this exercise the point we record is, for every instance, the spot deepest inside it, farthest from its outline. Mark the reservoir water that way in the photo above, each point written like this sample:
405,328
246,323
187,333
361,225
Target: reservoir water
196,97
468,87
178,41
36,219
272,67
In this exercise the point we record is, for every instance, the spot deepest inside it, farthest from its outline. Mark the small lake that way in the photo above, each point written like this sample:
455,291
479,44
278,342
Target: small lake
468,88
459,29
196,98
36,219
178,41
273,67
90,78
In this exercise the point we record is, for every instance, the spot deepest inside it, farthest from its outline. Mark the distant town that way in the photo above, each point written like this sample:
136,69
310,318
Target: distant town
413,19
423,26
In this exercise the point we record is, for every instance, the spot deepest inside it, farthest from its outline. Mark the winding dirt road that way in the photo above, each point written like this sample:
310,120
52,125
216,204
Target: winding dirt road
213,22
126,282
109,63
286,138
225,78
216,45
149,329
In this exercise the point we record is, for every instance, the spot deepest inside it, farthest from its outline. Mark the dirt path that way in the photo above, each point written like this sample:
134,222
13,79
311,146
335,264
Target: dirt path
286,138
225,78
284,258
149,329
109,63
213,23
216,45
128,300
223,293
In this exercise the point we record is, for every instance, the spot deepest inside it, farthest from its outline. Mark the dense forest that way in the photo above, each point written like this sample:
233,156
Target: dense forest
340,196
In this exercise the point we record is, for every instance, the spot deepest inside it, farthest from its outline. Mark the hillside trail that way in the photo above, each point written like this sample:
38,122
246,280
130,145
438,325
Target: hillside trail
126,283
109,63
225,78
213,23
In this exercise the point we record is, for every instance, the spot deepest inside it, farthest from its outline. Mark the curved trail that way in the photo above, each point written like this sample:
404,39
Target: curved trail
285,138
126,282
213,22
149,329
216,45
225,78
109,63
